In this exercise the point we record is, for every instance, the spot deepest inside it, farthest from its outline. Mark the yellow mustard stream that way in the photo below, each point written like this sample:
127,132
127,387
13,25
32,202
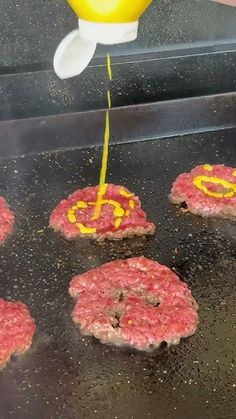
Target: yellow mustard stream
118,212
102,184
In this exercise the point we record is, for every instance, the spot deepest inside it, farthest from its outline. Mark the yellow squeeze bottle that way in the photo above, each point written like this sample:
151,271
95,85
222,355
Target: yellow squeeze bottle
109,11
106,22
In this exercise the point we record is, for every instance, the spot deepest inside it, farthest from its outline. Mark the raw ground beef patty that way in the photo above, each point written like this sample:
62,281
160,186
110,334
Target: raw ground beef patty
209,191
120,216
17,329
7,219
135,302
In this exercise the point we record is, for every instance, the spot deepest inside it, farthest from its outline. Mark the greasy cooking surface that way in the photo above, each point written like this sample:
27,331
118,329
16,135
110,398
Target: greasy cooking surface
68,376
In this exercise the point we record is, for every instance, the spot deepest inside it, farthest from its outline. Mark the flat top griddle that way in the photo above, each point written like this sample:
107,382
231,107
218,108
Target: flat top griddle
67,375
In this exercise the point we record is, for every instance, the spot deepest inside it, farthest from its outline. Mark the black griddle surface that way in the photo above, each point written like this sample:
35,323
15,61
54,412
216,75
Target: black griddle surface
66,375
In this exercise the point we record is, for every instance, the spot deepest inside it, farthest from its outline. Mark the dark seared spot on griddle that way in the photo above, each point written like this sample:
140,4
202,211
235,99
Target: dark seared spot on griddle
117,316
163,346
127,247
203,252
121,297
151,300
152,347
89,249
183,205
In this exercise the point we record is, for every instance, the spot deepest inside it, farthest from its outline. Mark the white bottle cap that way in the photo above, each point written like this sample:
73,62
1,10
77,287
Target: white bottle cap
72,55
108,33
76,50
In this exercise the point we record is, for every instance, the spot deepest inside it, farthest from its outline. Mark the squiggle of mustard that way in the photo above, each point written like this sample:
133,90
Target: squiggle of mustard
199,181
118,212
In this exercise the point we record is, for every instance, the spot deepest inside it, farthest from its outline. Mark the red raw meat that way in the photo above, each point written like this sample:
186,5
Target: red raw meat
135,302
80,208
7,219
209,191
17,329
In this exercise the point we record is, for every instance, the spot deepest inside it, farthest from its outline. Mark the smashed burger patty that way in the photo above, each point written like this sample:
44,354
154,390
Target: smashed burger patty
120,214
7,219
135,302
208,190
17,329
